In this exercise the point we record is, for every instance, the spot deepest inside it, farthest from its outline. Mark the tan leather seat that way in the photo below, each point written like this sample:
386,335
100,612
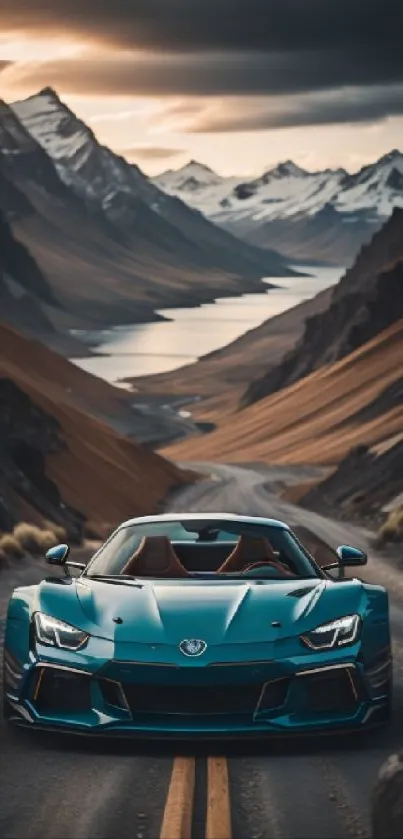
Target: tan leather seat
155,557
248,550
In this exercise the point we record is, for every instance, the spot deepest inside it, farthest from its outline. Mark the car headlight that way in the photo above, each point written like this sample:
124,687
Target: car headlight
337,633
55,633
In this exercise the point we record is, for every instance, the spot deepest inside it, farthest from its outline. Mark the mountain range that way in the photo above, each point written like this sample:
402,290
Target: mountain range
111,247
326,215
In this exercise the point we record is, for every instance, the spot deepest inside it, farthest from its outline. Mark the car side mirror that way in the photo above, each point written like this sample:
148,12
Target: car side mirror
57,555
349,556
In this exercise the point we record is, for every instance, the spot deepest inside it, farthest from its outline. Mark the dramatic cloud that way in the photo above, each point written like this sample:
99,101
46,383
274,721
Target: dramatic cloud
350,105
239,25
150,152
167,74
324,61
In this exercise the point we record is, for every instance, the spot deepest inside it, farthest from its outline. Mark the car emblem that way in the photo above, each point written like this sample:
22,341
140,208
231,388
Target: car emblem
192,647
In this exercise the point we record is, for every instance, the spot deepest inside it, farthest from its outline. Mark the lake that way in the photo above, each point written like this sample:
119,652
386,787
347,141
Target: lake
149,348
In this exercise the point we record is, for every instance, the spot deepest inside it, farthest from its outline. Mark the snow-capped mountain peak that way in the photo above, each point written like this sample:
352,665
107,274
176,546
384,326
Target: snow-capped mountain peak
376,189
293,209
286,170
55,128
94,172
190,178
394,156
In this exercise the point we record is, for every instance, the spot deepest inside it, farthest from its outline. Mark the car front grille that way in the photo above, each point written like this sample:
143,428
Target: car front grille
335,690
212,699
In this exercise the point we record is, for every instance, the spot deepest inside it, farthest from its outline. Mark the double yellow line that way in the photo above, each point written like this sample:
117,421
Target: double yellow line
178,812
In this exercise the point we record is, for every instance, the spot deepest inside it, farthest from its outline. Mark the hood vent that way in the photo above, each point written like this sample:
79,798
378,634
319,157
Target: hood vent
301,592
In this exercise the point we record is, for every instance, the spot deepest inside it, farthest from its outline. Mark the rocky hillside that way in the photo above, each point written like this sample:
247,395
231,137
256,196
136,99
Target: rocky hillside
56,458
367,300
23,287
365,481
306,215
112,247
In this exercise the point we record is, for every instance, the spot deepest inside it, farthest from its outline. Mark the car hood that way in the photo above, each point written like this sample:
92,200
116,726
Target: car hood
165,612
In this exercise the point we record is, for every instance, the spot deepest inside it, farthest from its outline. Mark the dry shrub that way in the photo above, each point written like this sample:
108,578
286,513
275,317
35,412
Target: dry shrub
59,531
32,539
392,528
48,540
10,547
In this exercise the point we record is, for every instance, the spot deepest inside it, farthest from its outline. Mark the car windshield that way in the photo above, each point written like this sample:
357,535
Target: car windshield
198,548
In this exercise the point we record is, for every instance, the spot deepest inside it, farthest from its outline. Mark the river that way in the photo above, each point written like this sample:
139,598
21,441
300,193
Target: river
148,348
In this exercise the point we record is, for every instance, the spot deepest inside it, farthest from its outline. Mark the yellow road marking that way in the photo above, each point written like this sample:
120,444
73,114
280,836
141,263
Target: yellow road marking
177,818
218,821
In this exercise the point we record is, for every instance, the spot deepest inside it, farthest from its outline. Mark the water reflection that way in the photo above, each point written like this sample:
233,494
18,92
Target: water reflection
150,348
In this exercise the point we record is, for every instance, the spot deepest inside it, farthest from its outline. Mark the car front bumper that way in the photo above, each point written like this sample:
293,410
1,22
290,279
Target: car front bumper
222,700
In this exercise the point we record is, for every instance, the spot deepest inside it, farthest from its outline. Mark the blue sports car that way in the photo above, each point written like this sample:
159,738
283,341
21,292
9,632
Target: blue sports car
199,625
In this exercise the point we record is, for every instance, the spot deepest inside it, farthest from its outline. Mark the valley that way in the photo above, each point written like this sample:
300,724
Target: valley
186,335
285,402
201,389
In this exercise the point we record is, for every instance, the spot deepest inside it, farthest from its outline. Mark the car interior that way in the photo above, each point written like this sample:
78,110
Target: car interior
157,556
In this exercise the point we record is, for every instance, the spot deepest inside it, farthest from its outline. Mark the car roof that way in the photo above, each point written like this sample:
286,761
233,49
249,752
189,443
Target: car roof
259,520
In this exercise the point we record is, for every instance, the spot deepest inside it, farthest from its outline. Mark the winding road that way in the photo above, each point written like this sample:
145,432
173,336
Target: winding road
67,788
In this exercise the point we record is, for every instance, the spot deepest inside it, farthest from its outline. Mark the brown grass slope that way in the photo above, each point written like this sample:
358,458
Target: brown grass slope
318,419
61,454
34,363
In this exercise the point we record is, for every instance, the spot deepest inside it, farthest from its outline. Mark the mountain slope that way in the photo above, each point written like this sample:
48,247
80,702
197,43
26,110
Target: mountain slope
56,459
364,483
107,183
308,215
366,300
23,288
76,388
318,419
70,247
104,233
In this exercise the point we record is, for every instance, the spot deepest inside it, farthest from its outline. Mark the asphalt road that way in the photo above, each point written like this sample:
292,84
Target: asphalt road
57,788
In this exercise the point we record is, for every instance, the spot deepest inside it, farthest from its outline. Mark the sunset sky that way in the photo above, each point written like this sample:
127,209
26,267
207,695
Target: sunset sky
236,84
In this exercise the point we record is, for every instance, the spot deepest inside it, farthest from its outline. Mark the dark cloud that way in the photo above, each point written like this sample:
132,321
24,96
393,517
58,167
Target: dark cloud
217,75
197,48
218,24
150,152
348,106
